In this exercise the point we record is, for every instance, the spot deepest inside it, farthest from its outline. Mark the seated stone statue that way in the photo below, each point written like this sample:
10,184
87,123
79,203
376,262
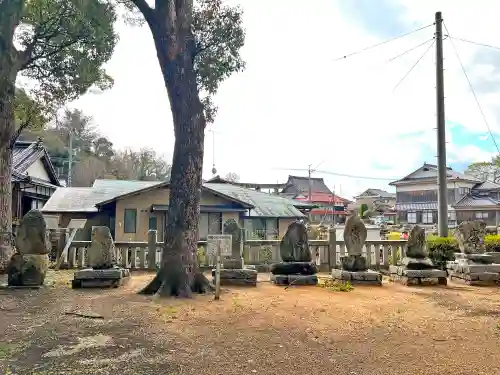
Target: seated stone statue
470,236
416,258
29,265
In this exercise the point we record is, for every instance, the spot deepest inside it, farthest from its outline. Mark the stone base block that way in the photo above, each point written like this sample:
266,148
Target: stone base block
483,278
294,279
359,277
232,264
100,278
236,277
464,267
353,263
294,268
418,277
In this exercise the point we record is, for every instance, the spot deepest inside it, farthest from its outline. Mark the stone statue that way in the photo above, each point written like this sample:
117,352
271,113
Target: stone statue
102,251
294,246
29,265
470,236
231,227
354,235
32,236
416,243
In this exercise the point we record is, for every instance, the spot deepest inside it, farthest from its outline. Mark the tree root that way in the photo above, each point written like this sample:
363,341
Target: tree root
176,284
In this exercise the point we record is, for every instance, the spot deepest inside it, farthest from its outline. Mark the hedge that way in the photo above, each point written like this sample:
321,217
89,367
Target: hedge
492,243
441,250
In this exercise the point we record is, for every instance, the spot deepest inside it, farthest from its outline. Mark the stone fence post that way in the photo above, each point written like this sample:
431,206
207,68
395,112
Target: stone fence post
332,248
152,249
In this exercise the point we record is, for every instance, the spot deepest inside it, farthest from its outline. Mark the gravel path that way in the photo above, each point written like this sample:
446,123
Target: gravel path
265,330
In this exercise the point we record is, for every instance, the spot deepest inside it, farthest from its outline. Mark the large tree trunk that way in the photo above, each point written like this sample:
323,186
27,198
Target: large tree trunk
10,14
179,274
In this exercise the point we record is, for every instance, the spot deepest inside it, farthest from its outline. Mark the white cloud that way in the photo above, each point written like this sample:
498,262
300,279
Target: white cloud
294,105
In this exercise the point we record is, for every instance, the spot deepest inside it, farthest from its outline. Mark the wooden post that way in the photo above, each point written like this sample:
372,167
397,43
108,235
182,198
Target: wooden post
332,248
152,250
217,274
66,248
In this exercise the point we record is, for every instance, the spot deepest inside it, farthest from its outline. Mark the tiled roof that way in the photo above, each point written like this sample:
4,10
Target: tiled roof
299,184
85,199
322,198
450,174
381,193
475,201
487,185
25,154
416,206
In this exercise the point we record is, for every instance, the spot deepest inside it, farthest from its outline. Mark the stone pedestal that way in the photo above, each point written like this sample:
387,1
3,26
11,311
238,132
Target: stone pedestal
294,273
100,278
474,269
417,271
243,277
367,277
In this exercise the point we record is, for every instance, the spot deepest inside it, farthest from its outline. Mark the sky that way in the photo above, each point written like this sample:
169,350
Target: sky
297,104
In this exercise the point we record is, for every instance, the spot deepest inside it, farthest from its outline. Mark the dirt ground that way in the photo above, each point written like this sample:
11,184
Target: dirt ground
265,330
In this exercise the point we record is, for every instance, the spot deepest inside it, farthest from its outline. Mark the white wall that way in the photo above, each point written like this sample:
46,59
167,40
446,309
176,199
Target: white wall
37,169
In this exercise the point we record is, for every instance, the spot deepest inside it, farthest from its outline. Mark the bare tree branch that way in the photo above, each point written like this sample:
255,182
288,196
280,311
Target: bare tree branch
146,10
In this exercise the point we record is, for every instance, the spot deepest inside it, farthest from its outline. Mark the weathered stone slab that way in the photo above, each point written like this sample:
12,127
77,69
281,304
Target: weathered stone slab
495,257
421,281
359,277
294,247
427,274
237,274
294,279
108,274
237,282
353,262
289,268
98,283
417,263
477,268
233,263
32,236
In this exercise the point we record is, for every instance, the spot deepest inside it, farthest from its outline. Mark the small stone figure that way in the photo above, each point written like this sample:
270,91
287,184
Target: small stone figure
233,271
29,265
103,271
354,268
472,265
416,268
297,267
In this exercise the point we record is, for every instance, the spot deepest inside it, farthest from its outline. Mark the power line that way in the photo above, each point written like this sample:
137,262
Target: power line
472,42
382,43
409,50
472,90
343,174
413,66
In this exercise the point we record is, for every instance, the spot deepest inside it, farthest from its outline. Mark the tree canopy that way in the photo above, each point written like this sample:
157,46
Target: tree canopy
486,170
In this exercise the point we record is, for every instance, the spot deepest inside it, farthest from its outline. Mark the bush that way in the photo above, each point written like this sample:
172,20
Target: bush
492,243
441,250
363,209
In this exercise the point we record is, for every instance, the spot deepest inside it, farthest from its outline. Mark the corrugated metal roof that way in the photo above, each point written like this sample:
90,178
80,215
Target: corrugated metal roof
74,199
416,206
475,201
265,205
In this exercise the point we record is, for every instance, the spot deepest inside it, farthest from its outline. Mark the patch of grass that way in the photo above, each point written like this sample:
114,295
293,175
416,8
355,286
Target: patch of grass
334,286
8,350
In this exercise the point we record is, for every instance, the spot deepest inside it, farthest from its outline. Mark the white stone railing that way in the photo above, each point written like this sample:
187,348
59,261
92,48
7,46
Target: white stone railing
139,255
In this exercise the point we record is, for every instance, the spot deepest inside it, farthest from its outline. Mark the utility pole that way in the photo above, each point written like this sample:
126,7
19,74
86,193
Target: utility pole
441,132
70,157
309,172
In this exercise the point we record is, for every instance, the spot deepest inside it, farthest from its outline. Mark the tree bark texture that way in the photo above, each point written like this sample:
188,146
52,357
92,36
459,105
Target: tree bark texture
10,15
179,274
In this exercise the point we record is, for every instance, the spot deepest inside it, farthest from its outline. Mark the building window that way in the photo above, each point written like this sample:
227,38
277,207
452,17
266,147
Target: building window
412,218
271,229
209,223
427,217
130,220
153,223
463,191
481,215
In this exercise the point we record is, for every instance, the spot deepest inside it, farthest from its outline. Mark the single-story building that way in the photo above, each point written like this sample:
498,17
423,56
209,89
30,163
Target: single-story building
131,208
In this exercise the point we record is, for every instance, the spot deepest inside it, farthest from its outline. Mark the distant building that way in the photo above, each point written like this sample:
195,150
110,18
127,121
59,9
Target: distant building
376,198
468,197
34,179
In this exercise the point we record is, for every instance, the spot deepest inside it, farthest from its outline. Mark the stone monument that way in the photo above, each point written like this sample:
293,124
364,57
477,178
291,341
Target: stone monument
233,271
296,267
29,264
103,270
353,266
472,265
416,268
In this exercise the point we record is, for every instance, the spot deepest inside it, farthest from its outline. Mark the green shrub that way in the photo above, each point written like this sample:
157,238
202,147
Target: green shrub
363,209
441,250
492,243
